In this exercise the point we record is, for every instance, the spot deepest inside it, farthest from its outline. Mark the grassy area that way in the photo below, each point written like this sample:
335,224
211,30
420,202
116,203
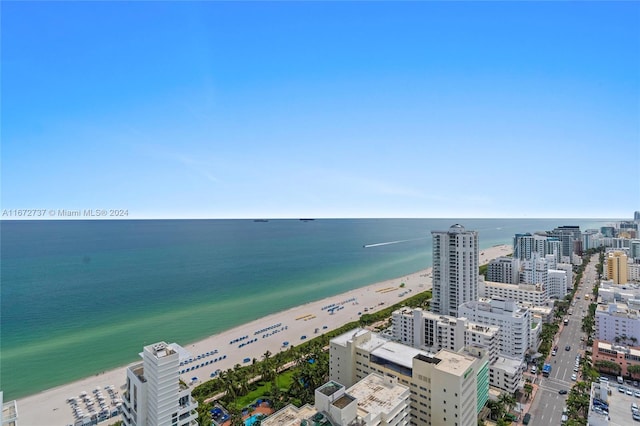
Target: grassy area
263,390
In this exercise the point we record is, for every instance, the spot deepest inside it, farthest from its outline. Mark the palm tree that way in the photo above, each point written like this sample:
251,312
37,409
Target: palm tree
633,369
608,366
496,408
528,389
235,416
227,379
507,400
267,367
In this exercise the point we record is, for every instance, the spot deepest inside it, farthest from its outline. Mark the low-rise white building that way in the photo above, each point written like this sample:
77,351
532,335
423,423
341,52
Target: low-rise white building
373,401
529,294
608,292
615,320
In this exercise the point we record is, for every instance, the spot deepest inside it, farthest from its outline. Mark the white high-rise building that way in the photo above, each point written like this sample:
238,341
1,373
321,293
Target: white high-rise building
154,395
455,269
518,333
504,270
432,332
534,271
557,284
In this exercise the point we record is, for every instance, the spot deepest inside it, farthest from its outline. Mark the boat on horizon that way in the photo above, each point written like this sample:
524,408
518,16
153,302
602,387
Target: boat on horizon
261,220
307,220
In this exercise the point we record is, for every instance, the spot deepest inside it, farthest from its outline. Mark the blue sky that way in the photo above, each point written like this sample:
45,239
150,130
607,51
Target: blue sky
322,109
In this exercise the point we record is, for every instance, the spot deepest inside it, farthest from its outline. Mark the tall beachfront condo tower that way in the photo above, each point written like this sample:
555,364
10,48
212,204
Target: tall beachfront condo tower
154,394
455,269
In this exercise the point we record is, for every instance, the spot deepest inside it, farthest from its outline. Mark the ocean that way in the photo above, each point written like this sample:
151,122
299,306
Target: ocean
81,297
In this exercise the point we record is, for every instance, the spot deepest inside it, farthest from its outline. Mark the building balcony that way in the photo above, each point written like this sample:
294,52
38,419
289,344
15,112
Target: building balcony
186,418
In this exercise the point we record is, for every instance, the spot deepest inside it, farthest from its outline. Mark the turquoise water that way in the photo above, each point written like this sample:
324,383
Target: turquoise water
249,421
81,297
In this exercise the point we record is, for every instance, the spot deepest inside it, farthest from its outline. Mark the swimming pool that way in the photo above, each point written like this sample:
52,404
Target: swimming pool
251,420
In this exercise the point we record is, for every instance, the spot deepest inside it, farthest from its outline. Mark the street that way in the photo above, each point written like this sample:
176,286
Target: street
547,405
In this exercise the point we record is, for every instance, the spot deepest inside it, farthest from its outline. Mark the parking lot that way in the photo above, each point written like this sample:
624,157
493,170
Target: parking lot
620,404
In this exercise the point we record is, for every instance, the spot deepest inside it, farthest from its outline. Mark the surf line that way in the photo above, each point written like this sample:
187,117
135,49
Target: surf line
392,242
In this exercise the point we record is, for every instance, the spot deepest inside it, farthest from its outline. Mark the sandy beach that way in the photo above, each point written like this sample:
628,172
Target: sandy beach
269,333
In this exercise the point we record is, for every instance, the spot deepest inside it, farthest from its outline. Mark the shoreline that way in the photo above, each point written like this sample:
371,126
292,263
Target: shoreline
294,325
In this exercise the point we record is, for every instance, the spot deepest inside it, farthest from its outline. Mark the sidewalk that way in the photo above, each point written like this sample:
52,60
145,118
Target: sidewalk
527,405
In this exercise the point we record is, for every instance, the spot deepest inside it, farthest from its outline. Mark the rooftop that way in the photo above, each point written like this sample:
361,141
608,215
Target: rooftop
618,348
510,365
343,401
398,354
330,388
376,395
290,416
454,363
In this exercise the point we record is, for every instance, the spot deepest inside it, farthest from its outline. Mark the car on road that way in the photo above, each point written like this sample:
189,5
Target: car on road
574,377
576,368
553,353
636,394
567,348
526,419
629,392
636,417
562,391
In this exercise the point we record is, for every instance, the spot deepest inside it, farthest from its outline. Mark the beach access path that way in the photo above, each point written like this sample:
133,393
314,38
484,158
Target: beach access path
50,407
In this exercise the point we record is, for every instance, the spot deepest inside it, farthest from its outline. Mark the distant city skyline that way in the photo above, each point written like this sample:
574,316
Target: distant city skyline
322,109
